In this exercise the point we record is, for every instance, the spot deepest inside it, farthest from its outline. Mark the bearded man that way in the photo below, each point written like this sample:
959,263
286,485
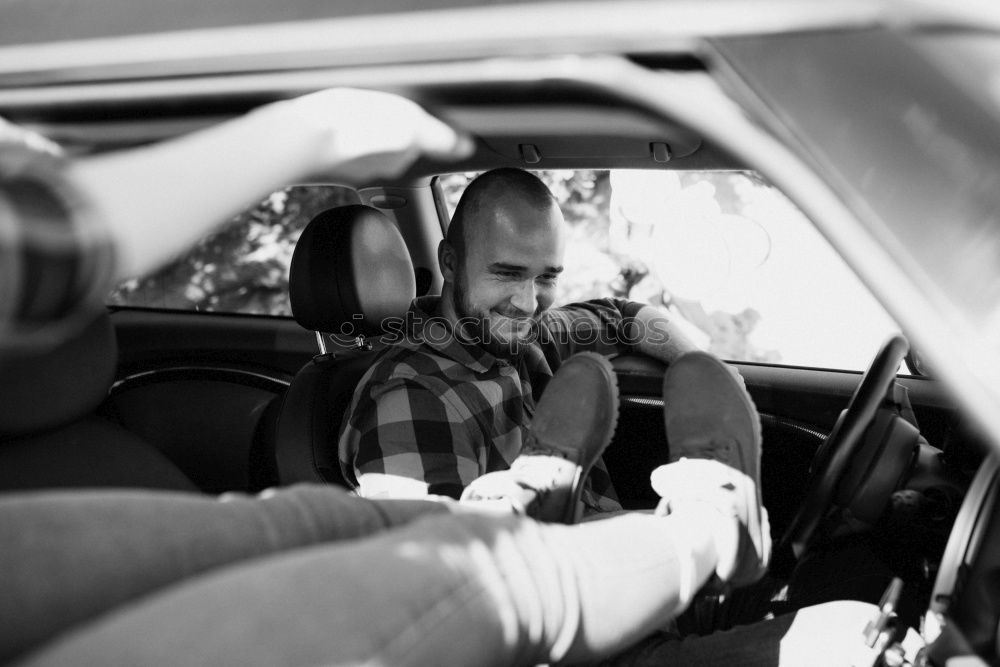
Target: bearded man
453,399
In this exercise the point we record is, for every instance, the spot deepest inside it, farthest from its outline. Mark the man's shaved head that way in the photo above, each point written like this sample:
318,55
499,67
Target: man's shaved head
502,258
479,202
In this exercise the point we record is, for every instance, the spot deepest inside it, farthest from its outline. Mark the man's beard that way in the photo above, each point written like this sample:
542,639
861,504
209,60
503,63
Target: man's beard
479,328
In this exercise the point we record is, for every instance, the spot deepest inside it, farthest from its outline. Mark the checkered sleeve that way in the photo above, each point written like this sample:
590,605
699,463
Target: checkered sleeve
600,325
56,260
403,428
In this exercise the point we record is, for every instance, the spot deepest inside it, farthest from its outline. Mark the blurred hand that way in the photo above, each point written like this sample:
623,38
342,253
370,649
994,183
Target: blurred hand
362,134
189,185
15,135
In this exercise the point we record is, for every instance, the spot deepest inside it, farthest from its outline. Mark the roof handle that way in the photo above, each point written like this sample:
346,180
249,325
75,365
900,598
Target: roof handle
661,151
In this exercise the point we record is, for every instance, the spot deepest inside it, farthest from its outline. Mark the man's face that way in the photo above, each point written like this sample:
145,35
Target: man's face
508,275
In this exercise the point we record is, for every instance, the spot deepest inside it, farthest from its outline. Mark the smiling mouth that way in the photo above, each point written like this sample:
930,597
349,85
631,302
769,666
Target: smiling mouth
514,318
518,327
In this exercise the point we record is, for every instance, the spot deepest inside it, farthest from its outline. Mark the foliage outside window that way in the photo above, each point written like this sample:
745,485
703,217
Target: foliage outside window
736,263
743,270
242,268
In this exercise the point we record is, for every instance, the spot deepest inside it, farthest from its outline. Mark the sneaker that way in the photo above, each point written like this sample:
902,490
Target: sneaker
573,424
709,415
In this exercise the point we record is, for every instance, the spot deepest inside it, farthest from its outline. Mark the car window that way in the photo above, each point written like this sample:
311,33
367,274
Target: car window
243,267
741,268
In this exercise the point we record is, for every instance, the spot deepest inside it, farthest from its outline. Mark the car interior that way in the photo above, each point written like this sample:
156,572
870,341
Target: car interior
876,463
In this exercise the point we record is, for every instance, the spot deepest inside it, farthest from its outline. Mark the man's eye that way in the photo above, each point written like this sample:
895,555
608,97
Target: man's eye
548,279
508,274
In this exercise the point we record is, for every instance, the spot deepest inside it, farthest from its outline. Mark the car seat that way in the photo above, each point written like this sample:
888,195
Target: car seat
351,279
50,436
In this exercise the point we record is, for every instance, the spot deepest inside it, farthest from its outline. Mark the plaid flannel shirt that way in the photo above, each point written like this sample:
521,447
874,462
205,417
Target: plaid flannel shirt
437,409
56,261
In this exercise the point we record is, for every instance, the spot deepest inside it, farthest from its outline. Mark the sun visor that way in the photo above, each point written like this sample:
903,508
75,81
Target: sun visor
533,133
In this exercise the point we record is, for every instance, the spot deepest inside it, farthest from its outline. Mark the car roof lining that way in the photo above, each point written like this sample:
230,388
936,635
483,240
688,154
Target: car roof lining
505,104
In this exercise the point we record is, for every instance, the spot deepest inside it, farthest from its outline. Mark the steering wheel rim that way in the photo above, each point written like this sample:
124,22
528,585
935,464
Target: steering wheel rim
835,454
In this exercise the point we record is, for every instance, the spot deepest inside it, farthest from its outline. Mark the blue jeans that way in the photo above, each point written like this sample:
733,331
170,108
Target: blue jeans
312,575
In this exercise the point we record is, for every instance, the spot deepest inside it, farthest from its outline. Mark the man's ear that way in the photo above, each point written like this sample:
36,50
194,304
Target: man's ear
447,261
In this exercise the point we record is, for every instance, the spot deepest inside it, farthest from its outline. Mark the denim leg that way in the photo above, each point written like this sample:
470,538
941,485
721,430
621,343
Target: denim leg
65,557
457,590
454,590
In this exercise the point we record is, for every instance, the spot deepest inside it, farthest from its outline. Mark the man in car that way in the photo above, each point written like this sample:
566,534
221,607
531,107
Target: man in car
453,400
311,575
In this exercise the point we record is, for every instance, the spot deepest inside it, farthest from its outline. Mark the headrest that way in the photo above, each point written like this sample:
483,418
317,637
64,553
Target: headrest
350,271
46,388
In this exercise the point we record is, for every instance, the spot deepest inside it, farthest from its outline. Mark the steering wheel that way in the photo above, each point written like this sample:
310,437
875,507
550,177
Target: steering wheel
833,458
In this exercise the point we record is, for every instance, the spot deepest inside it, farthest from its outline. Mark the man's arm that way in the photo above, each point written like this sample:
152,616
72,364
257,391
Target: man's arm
654,333
608,326
661,338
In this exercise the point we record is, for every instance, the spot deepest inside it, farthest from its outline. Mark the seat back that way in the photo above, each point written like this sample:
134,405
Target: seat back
50,436
351,275
310,417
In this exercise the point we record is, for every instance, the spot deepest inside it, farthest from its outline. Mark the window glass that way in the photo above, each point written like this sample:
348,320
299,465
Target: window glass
736,263
242,268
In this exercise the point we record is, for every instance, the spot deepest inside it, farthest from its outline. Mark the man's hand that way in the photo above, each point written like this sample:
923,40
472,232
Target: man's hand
362,134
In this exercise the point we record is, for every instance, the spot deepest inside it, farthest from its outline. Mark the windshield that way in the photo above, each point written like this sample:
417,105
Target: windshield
905,129
741,270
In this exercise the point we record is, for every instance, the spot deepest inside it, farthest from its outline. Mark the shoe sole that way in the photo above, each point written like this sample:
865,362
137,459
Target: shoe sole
687,374
570,512
609,431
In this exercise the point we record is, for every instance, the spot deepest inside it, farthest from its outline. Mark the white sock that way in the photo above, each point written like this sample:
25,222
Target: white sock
696,488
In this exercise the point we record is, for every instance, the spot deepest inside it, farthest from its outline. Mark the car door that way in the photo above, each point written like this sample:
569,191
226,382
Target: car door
207,345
